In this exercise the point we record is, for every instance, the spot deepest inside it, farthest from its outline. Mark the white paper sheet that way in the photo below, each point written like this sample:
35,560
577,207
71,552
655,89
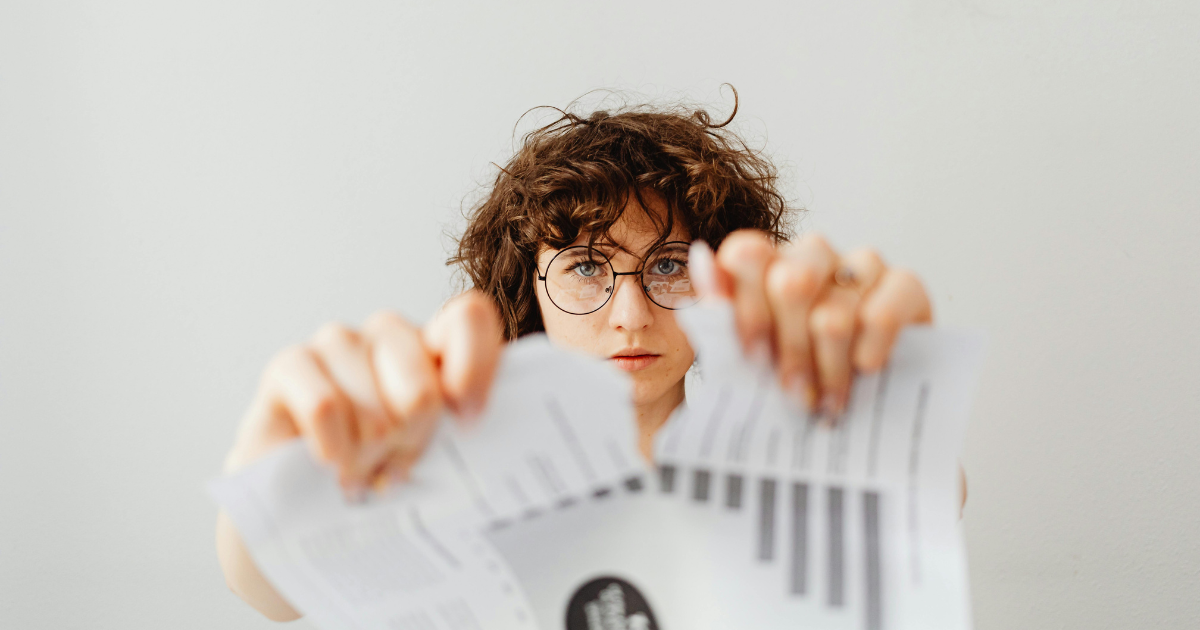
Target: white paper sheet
412,557
543,515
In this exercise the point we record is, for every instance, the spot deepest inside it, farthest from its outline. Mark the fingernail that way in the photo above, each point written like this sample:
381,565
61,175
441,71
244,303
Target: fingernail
355,493
380,483
470,409
758,351
831,406
810,395
399,475
800,391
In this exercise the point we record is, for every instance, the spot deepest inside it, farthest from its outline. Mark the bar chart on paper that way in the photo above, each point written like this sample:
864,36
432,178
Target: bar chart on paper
754,514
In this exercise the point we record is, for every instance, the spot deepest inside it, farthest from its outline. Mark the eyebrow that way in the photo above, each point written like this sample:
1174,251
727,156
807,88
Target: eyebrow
582,250
607,247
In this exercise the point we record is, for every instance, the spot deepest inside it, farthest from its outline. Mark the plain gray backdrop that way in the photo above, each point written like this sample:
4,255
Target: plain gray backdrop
186,187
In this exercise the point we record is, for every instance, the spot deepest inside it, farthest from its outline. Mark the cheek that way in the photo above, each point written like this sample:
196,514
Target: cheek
584,333
572,331
682,350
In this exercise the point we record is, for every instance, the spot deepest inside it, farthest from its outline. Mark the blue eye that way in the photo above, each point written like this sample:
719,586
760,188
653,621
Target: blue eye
586,269
666,267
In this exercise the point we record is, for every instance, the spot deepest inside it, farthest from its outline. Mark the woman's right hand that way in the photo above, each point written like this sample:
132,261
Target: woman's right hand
366,401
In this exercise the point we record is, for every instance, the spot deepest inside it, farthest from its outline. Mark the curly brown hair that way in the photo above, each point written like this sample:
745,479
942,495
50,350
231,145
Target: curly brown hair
575,176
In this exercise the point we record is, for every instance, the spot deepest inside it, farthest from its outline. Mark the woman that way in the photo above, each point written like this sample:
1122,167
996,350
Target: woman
584,235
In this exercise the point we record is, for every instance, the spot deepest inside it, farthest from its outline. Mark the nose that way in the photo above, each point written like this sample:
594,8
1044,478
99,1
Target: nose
631,309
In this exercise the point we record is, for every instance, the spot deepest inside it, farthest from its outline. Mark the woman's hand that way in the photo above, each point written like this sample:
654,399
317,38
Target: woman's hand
822,315
365,401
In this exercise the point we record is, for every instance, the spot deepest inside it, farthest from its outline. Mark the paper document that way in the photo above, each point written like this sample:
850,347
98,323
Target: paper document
543,514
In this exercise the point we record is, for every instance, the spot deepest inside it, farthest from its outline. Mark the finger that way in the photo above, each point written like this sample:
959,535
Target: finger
702,269
794,282
299,388
833,326
899,299
407,377
866,268
395,469
347,360
399,463
466,338
745,255
405,371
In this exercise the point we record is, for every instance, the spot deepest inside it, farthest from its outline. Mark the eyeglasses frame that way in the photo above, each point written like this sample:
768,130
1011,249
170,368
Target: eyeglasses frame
616,277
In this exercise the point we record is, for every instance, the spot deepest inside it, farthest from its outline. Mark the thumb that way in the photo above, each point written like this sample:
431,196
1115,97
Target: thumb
708,279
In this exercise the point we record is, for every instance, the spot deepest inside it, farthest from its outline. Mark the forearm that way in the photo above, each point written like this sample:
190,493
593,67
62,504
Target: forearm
243,577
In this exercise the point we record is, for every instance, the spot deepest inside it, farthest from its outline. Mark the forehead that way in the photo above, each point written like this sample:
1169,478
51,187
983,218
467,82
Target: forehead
640,227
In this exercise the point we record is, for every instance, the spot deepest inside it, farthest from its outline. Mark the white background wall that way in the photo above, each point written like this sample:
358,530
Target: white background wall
186,187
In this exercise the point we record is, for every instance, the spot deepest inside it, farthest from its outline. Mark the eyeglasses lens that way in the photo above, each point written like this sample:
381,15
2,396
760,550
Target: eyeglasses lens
665,277
579,281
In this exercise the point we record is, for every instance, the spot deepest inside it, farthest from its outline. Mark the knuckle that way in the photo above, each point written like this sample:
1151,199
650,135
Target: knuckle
794,282
421,401
816,241
745,245
385,320
880,318
869,256
333,334
473,309
832,323
285,358
908,280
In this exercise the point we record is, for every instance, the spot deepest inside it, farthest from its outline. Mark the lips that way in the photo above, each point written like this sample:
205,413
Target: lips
634,359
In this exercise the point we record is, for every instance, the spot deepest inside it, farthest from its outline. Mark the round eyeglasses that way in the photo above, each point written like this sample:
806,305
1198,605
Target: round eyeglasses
581,279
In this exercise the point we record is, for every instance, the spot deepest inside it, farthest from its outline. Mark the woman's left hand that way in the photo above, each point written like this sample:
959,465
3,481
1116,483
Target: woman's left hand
823,316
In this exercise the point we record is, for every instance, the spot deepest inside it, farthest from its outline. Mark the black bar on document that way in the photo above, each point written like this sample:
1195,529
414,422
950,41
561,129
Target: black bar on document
666,479
733,492
700,484
837,549
874,573
766,519
799,569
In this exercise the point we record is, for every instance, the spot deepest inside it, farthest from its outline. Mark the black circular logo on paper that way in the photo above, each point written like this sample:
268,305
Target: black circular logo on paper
609,603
